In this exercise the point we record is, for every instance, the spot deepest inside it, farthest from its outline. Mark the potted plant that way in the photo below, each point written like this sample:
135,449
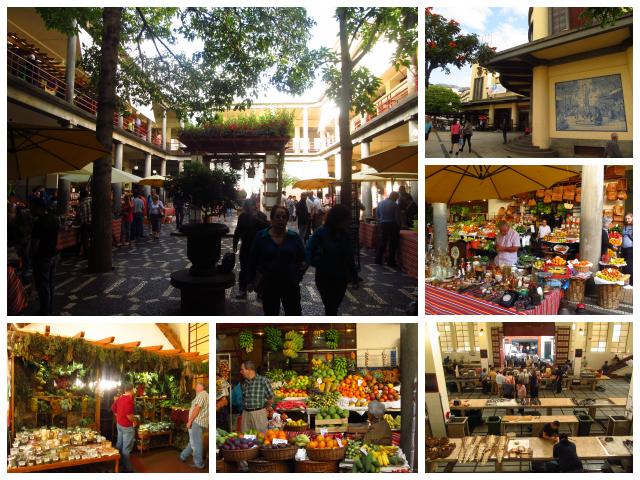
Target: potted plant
205,189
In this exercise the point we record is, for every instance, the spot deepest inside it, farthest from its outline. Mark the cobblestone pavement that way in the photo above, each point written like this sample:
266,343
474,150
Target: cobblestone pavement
139,285
483,145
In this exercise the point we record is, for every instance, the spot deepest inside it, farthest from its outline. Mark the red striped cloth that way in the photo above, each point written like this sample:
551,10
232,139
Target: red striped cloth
439,301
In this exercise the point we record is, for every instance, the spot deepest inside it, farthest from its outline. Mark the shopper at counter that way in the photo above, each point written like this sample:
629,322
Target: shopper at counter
605,245
627,245
566,457
257,397
379,432
507,244
550,431
123,409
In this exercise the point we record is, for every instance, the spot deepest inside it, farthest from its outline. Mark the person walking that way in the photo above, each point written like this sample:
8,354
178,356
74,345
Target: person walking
455,136
123,409
505,128
156,212
330,251
428,126
627,245
302,212
44,253
276,265
257,398
178,205
250,222
84,216
126,212
138,217
388,214
197,424
467,132
612,149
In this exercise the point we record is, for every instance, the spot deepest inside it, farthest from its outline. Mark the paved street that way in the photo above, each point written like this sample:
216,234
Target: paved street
139,285
483,145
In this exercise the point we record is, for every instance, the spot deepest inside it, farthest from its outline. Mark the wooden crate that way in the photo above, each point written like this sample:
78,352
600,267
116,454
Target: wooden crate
332,426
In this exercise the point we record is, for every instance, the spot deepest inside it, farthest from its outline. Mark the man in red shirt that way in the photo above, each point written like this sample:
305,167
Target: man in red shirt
123,410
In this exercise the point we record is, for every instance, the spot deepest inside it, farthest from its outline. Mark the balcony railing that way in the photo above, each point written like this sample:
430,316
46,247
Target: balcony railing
28,70
384,104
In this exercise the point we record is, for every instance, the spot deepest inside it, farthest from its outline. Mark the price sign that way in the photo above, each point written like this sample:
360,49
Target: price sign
323,432
319,381
364,452
360,382
278,441
250,437
339,442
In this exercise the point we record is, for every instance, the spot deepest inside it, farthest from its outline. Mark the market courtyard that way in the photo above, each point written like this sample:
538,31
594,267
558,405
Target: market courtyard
483,145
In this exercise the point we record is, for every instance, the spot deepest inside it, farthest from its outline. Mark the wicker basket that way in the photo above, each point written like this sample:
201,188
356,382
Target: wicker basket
276,454
583,269
575,293
309,466
326,454
240,455
265,466
225,467
609,296
292,428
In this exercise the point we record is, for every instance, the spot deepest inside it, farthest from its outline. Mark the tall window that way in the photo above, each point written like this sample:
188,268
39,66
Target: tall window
559,19
446,337
619,338
478,88
463,338
599,334
476,337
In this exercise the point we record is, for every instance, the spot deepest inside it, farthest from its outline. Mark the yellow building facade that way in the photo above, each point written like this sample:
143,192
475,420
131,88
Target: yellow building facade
579,77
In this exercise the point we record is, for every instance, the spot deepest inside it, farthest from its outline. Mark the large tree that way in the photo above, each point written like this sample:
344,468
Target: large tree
239,52
446,46
353,87
441,100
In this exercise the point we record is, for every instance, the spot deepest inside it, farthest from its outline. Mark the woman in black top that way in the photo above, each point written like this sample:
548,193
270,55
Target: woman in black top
250,222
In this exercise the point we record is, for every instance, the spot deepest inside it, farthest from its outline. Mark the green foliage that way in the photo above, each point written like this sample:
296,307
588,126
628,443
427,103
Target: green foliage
203,187
288,180
446,46
273,338
441,100
604,16
269,124
364,88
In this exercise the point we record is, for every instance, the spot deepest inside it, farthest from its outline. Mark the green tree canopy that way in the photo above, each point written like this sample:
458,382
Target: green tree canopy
446,46
441,100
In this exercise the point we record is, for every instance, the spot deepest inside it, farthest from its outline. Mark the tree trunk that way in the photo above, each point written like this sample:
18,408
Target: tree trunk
100,251
346,148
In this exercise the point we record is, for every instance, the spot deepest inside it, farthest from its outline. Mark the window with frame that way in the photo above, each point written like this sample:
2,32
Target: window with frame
463,337
446,337
478,86
619,338
599,334
476,337
559,19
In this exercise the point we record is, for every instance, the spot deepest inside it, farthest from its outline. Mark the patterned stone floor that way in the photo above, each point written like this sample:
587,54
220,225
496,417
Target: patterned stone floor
618,387
139,285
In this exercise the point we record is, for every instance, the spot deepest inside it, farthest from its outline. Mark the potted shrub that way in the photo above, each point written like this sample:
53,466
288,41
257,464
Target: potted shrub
204,189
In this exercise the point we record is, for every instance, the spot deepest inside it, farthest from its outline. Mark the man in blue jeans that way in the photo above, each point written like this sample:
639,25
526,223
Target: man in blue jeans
198,422
123,409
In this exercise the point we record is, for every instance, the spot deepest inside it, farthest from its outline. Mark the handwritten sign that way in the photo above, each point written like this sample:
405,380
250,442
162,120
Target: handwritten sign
323,432
319,381
250,437
339,442
360,382
278,441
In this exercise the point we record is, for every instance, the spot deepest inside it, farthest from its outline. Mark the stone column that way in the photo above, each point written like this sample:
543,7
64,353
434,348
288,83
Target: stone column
147,172
484,344
305,130
271,195
117,187
440,215
164,129
412,125
337,170
149,137
367,198
436,395
70,67
591,213
163,172
540,108
409,399
296,139
492,112
514,116
181,166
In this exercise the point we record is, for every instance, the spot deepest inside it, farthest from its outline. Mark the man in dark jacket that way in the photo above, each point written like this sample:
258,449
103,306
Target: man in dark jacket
44,240
302,212
250,222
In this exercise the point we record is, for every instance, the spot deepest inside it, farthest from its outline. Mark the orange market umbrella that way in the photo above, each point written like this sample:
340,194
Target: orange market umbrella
40,150
313,183
401,158
153,180
460,183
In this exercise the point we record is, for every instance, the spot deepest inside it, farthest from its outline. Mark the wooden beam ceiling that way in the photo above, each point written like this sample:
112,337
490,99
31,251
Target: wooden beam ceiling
170,335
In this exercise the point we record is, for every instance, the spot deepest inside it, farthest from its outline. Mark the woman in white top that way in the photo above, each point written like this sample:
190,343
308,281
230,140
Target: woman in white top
156,211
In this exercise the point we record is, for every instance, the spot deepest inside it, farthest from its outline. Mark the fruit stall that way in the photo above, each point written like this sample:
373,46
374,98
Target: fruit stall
61,392
323,381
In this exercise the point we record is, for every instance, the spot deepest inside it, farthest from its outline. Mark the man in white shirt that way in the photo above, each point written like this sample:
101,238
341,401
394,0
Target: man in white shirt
500,378
543,229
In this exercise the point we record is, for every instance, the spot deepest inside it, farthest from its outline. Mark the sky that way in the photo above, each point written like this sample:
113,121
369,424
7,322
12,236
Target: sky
500,27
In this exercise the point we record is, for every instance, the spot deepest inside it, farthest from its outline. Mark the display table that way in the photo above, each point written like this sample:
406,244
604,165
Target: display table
408,252
439,301
537,422
460,381
592,382
369,233
148,444
588,448
68,237
346,464
169,215
115,458
547,403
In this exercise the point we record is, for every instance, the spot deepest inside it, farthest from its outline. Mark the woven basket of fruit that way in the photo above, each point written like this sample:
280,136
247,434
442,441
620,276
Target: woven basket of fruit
609,296
240,455
279,452
326,454
309,466
225,467
266,466
575,293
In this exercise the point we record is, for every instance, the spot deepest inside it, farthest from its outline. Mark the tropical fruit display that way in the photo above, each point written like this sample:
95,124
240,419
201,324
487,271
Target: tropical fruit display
332,413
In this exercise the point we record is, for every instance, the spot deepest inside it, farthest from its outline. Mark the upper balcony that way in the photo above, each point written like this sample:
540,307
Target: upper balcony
26,62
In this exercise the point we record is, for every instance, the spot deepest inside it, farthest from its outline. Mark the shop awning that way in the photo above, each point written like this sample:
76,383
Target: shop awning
312,183
515,65
402,158
83,175
460,183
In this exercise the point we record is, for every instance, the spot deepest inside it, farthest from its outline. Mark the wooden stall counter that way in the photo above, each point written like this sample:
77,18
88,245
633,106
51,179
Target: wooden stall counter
115,458
408,252
369,233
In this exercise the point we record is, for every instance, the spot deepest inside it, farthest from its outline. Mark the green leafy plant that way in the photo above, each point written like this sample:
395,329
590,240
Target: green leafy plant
273,338
269,124
245,341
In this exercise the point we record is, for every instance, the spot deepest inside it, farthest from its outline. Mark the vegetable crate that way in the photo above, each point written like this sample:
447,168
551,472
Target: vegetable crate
333,425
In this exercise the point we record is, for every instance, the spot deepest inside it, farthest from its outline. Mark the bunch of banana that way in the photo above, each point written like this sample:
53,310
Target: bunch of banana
394,423
381,457
301,440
